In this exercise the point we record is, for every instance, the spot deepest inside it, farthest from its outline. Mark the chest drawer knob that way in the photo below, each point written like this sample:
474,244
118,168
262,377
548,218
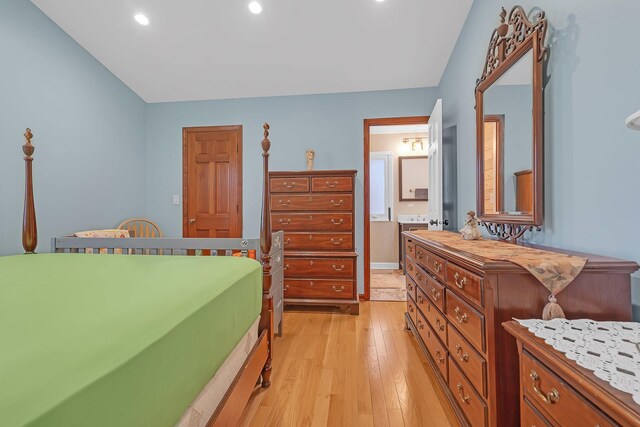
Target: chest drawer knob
438,266
439,356
336,241
311,284
286,288
464,397
411,308
285,221
336,222
331,184
310,237
420,325
336,289
286,242
288,184
435,293
420,299
460,283
336,268
439,324
461,319
549,398
462,356
338,203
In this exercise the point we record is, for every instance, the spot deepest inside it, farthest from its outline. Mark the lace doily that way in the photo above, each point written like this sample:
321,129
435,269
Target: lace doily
610,349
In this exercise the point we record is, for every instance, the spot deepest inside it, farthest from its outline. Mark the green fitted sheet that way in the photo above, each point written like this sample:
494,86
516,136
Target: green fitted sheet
117,340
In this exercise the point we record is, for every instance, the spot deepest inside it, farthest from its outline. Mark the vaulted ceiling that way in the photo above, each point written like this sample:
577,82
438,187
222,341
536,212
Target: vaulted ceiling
216,49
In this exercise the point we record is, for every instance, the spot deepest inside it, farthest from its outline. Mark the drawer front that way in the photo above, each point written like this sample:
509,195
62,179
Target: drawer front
338,221
289,185
466,283
436,319
332,183
312,202
410,249
530,417
555,398
469,360
417,274
421,255
437,350
318,241
433,263
319,267
435,292
318,288
411,287
467,320
411,309
472,405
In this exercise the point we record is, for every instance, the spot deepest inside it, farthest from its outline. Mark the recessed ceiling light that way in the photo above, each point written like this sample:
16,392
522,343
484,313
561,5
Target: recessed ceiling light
379,1
141,19
255,7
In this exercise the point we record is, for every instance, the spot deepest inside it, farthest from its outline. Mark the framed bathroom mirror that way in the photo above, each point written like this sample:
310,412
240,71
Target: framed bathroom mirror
509,126
413,176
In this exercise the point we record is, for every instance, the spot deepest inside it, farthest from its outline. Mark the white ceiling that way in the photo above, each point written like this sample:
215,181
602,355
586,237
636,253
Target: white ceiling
215,49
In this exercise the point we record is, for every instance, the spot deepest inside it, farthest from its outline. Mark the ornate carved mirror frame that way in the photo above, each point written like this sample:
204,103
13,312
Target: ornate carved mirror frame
510,41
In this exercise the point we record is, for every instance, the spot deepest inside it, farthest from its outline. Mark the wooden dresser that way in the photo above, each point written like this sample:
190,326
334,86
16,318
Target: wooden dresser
457,303
554,390
316,211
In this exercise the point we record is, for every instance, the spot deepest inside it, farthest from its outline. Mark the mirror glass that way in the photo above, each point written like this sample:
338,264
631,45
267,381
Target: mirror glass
414,176
508,141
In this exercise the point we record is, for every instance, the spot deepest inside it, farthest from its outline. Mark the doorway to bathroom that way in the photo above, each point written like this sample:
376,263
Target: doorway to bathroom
396,193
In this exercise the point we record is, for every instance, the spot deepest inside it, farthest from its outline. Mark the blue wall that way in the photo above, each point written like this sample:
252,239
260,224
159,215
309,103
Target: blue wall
89,167
592,161
332,125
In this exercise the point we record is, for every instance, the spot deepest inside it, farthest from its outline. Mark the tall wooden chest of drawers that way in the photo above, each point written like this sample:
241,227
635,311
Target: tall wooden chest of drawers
458,301
316,211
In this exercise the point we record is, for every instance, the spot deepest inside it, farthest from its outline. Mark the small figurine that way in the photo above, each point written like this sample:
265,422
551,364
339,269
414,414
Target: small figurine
310,155
470,230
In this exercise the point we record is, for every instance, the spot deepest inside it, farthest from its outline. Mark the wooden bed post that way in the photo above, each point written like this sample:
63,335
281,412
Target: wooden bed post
29,226
266,318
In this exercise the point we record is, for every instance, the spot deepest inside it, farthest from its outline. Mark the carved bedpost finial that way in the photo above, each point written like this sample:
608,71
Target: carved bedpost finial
266,144
27,148
29,225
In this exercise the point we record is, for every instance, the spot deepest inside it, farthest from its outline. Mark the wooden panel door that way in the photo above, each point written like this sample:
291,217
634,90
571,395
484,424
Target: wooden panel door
212,179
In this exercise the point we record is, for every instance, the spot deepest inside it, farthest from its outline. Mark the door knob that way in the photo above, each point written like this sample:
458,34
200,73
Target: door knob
192,220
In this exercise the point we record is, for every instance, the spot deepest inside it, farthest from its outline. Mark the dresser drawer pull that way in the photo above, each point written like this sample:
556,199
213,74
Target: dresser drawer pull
418,275
439,324
420,325
460,283
338,203
438,266
410,267
286,267
420,299
435,293
337,222
336,289
549,398
461,319
331,184
283,203
410,287
419,255
286,288
310,237
286,242
464,397
336,242
288,184
463,357
311,284
439,356
341,268
285,221
411,308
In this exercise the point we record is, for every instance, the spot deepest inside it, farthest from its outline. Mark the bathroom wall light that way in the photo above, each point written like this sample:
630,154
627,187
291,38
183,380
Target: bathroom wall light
633,121
414,143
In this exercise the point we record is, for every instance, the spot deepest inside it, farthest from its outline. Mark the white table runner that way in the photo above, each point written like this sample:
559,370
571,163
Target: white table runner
610,349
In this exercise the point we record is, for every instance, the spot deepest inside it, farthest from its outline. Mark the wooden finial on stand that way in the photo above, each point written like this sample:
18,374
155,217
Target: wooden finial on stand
266,318
29,225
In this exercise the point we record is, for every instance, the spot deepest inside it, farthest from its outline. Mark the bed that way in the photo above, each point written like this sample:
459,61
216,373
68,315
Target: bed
128,340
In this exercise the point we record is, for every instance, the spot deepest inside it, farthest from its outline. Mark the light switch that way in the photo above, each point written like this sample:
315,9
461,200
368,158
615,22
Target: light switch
176,199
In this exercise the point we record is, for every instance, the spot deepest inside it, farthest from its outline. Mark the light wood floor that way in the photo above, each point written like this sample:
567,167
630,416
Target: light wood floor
333,369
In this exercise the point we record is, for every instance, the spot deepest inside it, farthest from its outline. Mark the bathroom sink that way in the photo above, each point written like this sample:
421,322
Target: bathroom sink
412,219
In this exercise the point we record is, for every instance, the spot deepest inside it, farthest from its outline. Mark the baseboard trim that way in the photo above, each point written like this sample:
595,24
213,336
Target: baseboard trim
385,266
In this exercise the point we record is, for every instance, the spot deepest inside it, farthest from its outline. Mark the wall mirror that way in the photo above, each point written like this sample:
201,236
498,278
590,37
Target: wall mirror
413,174
509,126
